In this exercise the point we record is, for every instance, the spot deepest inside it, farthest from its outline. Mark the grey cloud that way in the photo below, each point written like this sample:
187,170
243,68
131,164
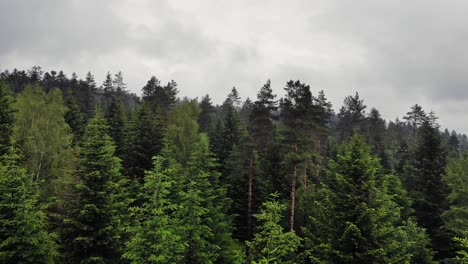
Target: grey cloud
413,45
395,53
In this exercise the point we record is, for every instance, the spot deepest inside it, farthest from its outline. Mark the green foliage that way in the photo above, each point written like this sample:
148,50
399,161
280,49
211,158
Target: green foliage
272,244
23,223
206,120
182,131
261,126
7,118
159,96
203,210
456,217
115,120
428,190
143,139
357,215
351,116
456,177
95,222
462,254
74,117
42,134
156,234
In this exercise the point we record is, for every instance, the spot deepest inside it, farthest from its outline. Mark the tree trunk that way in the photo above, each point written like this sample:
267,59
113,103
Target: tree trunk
249,213
293,191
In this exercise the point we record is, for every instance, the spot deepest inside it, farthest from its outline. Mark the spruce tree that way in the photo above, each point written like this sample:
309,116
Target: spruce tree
428,190
73,116
201,198
156,234
356,215
261,126
272,244
143,139
115,120
95,222
206,120
456,217
7,118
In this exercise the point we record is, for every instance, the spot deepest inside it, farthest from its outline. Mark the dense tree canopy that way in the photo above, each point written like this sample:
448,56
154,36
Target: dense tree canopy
92,173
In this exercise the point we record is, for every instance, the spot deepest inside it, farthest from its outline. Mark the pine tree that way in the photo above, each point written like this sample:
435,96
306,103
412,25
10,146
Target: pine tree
351,116
95,224
159,96
272,244
23,223
301,118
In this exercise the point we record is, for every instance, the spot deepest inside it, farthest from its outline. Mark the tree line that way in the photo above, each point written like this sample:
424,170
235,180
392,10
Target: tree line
95,174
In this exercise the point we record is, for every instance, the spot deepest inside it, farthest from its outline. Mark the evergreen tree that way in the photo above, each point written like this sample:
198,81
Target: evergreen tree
415,117
301,119
356,218
203,205
203,211
233,98
351,116
160,96
95,223
115,120
261,126
207,115
73,116
7,118
456,217
143,139
118,83
427,188
376,132
272,244
108,84
156,234
23,223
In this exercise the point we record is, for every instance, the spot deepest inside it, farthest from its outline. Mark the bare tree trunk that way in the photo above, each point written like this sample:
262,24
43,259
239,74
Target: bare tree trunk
293,192
249,213
305,177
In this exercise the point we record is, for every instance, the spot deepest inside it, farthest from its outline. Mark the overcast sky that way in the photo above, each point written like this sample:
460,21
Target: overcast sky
394,53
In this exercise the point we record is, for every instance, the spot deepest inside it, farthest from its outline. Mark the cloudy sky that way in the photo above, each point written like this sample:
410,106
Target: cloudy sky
394,53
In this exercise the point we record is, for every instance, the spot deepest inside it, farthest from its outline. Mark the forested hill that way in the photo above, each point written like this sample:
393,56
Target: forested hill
90,173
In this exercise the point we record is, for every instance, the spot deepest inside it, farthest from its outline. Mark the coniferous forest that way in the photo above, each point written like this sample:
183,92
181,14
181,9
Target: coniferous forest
91,173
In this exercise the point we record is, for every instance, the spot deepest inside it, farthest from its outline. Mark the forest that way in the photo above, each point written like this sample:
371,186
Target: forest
92,173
